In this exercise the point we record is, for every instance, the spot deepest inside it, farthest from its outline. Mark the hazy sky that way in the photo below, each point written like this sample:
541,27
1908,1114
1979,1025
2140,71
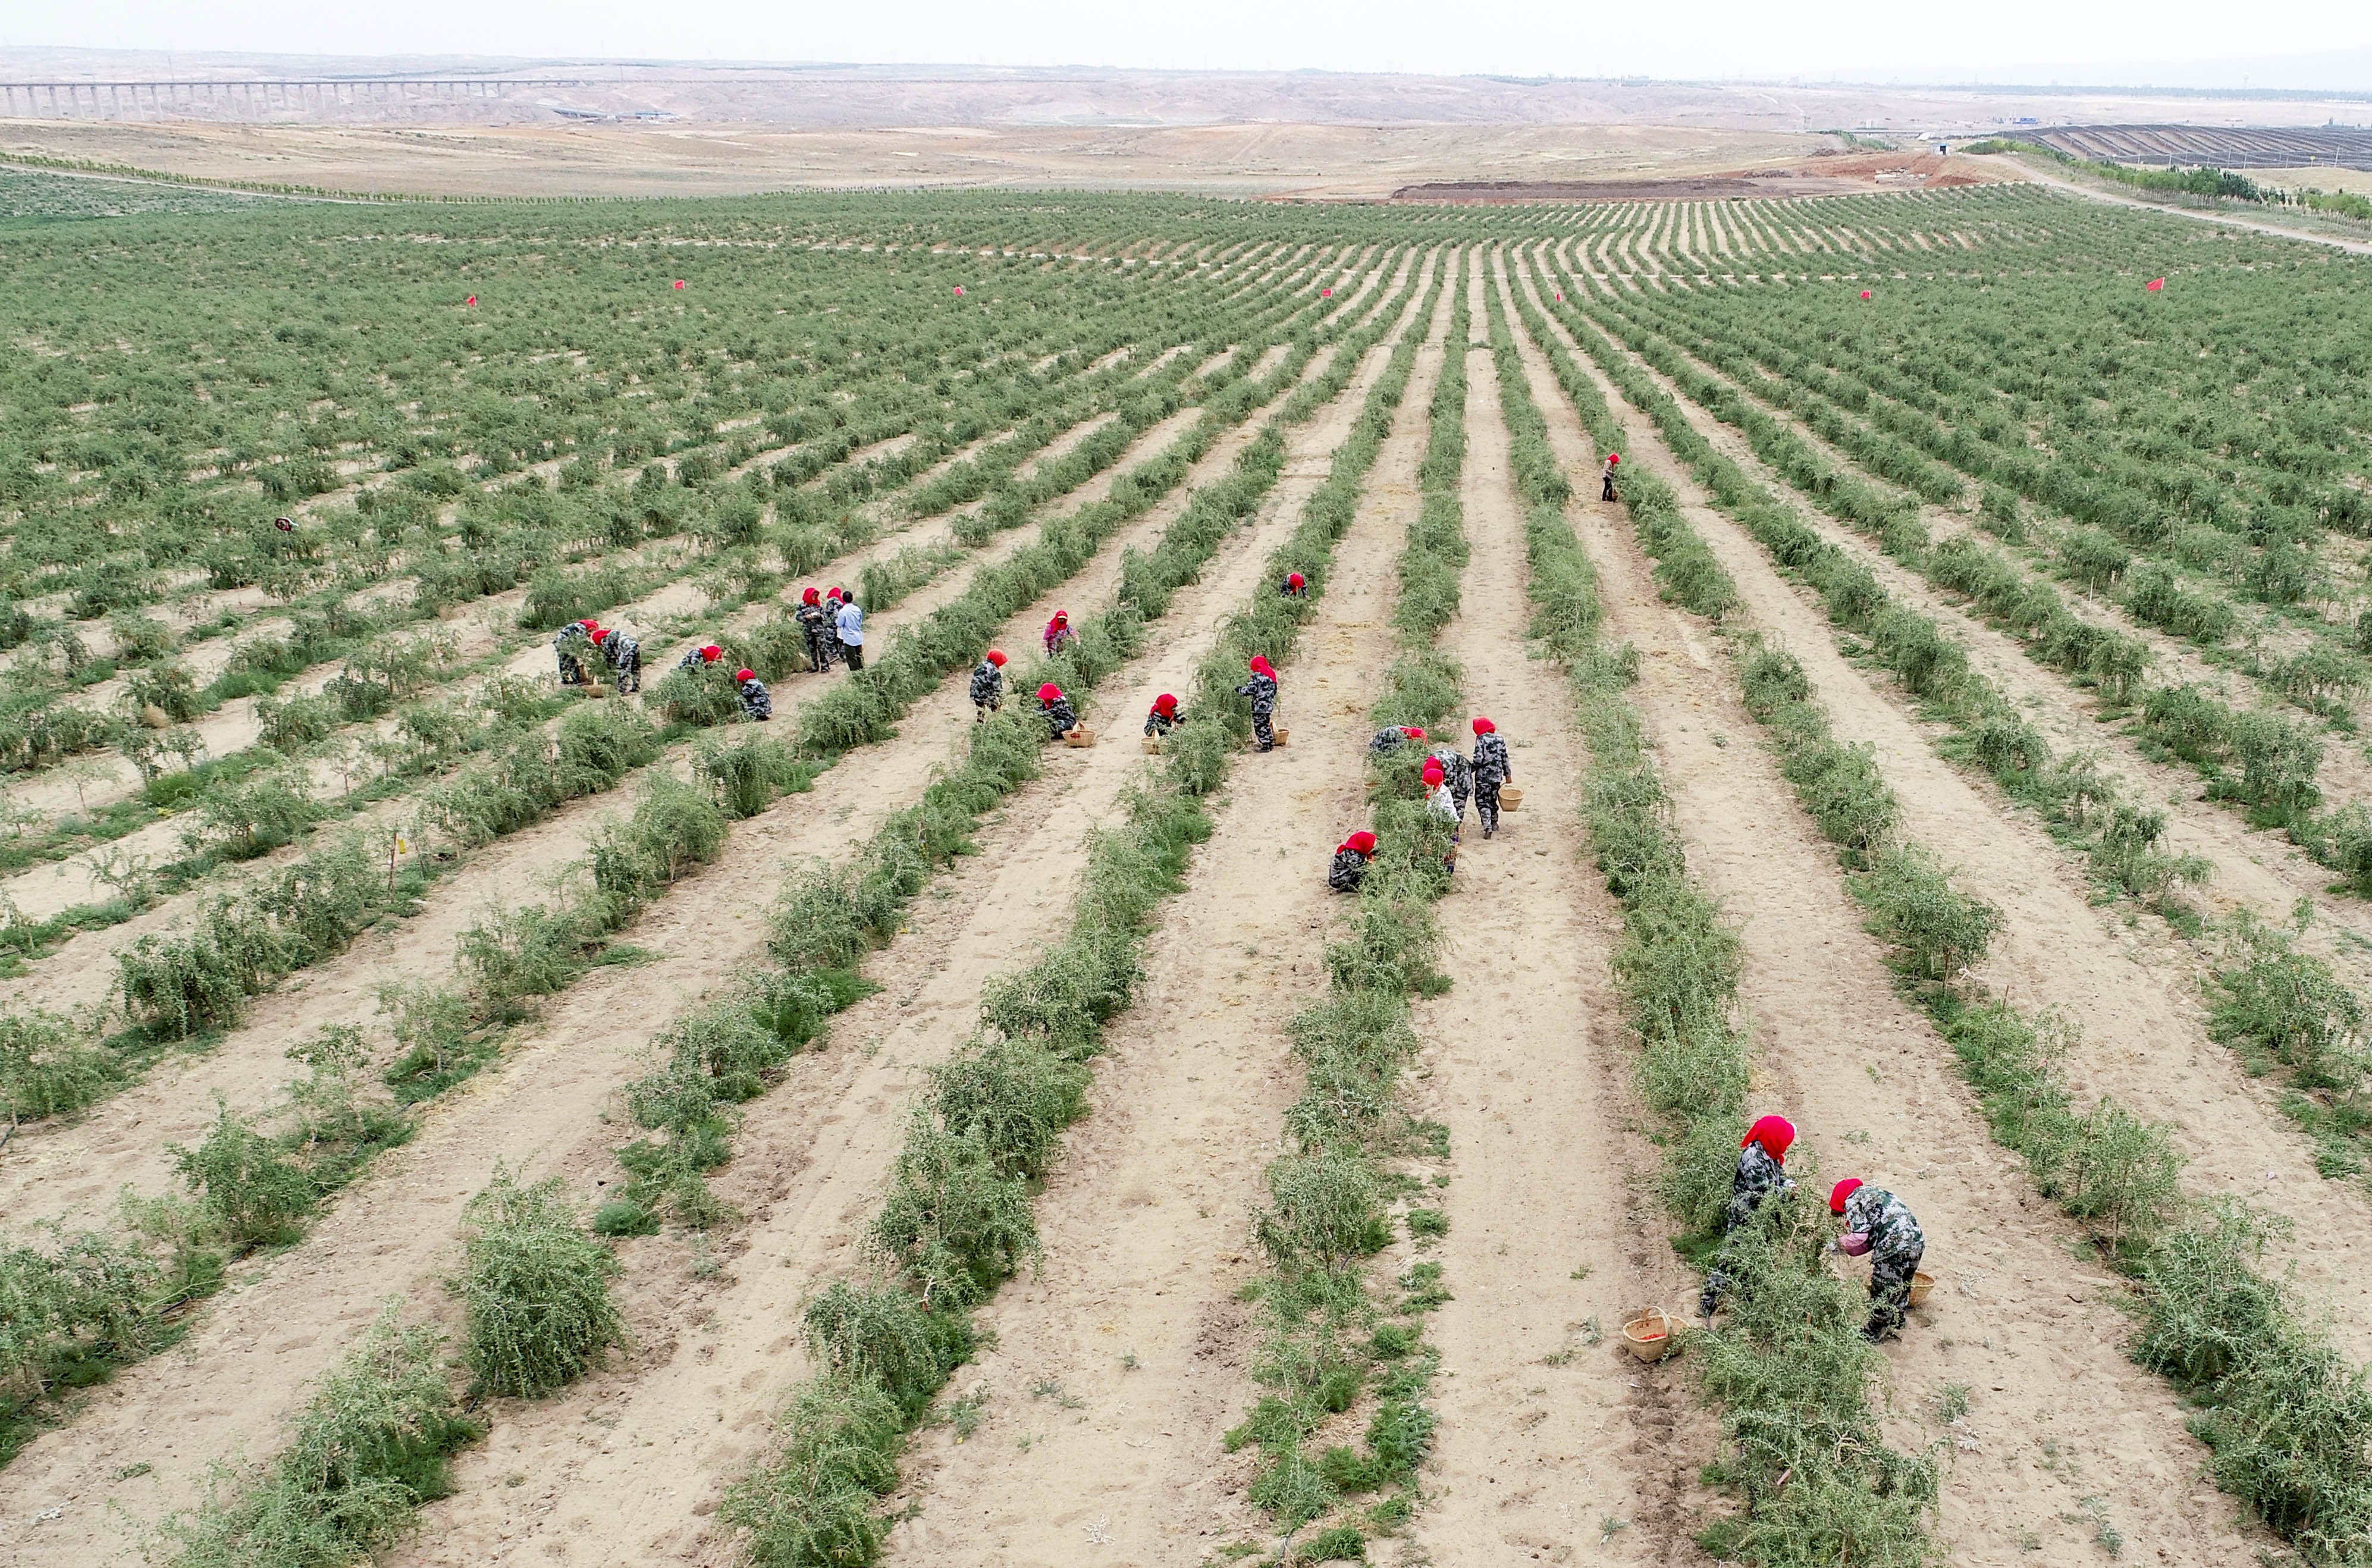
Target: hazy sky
1698,37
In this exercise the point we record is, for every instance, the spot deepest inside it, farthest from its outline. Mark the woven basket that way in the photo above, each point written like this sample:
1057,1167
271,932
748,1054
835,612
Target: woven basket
1080,737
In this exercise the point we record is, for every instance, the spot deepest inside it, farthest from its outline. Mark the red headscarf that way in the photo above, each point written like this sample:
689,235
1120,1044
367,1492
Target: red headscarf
1363,840
1483,726
589,623
1296,579
996,658
1613,457
1841,1192
598,634
711,654
1050,693
1260,666
1432,773
1414,732
744,675
1165,704
1061,618
840,592
809,596
1774,1132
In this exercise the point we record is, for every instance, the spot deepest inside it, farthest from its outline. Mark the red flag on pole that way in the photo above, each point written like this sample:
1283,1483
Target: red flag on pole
2155,284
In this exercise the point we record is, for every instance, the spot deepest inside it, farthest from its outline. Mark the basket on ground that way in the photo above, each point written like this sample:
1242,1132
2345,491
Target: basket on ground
1922,1281
1079,736
1652,1335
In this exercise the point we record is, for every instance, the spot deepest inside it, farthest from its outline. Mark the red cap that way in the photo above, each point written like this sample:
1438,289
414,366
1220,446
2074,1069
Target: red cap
1050,693
1843,1191
743,675
1774,1132
996,658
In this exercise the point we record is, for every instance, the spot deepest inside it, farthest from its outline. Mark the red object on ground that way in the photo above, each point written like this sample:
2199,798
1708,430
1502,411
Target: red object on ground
2155,284
472,300
679,283
1865,293
959,291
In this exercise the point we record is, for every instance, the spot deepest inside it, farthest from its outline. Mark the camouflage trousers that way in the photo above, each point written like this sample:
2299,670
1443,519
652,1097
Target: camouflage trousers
1890,1291
1486,804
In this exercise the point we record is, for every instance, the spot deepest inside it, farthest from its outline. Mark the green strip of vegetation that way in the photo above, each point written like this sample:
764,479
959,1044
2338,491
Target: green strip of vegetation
1795,1382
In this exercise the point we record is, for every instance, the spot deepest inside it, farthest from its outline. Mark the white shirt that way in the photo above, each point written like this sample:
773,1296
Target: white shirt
850,624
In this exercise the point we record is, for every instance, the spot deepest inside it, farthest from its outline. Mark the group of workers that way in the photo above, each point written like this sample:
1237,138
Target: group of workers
582,646
1878,1227
833,624
1450,779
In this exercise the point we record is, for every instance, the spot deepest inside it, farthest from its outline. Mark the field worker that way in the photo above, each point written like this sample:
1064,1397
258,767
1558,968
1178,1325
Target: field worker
1261,690
706,654
1164,717
1056,710
849,627
987,685
574,647
1438,803
1606,477
1761,1170
1058,634
757,702
1491,769
625,656
831,602
816,628
1391,737
1458,771
1877,1226
1350,867
1296,585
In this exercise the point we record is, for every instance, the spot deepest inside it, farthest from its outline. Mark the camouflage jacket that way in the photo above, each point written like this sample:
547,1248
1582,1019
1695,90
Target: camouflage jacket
1456,770
756,700
1349,867
812,619
987,682
1880,1215
1387,738
1758,1176
573,641
1159,724
624,652
1261,690
1491,764
1060,716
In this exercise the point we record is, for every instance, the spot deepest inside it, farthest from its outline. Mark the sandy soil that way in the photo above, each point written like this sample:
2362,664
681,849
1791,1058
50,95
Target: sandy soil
813,1156
2057,1412
2143,1020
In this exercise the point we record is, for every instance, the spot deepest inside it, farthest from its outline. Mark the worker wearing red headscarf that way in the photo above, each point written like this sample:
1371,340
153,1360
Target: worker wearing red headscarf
815,625
1491,769
1261,690
1350,858
1058,634
575,649
1296,585
1879,1227
1606,477
1392,737
1762,1171
1056,709
987,685
1164,717
757,702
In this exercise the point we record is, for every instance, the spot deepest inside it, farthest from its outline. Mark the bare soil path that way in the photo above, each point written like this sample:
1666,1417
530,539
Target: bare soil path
632,1462
1527,1063
1145,1220
2057,1411
2143,1040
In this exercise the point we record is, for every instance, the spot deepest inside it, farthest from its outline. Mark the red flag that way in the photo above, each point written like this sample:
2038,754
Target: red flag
1865,293
2155,284
679,283
472,300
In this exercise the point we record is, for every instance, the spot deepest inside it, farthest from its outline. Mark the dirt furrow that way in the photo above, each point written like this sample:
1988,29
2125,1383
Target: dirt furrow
812,1155
2143,1040
2056,1412
1548,1427
1144,1221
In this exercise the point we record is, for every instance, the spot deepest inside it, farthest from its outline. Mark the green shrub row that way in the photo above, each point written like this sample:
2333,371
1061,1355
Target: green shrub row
2287,1420
1343,1366
958,1220
1794,1381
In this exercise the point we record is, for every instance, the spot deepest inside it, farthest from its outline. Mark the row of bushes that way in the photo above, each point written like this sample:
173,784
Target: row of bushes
958,1219
1789,1370
2123,837
2286,1419
1342,1355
